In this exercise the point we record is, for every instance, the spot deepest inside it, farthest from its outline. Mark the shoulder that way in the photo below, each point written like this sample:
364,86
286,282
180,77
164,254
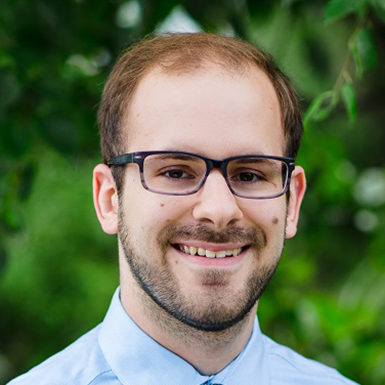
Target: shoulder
81,363
289,367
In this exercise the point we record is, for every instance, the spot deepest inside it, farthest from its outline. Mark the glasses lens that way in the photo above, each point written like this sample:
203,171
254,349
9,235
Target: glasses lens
257,177
173,173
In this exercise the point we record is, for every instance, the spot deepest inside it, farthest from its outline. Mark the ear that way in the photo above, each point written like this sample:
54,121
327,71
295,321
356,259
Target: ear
105,198
297,191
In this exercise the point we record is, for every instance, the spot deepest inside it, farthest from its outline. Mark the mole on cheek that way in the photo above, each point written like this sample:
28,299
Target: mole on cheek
275,220
161,205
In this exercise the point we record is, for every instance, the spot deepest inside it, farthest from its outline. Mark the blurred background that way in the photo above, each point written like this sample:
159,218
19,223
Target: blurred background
58,270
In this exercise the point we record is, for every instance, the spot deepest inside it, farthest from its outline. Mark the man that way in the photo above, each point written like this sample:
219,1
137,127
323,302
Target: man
199,135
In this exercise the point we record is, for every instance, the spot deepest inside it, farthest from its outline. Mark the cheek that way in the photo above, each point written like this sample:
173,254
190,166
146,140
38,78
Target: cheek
153,210
170,209
269,211
269,215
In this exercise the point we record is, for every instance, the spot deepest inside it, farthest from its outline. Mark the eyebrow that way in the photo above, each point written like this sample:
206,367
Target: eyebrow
177,157
255,159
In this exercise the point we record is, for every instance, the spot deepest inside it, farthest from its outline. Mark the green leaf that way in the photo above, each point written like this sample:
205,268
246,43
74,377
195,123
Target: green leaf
364,51
336,9
349,98
321,107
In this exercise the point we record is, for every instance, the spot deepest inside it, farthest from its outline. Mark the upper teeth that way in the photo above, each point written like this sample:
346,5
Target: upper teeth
208,253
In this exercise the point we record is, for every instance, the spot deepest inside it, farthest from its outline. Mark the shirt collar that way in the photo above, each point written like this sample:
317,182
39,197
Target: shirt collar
135,358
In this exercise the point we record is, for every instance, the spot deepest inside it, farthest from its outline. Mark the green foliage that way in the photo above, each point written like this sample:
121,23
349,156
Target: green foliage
58,270
364,51
349,98
339,8
321,106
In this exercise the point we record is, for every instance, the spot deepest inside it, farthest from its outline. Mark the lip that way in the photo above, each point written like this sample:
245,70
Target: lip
211,262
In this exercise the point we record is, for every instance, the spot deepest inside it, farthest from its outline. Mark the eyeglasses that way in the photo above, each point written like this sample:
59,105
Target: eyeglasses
183,173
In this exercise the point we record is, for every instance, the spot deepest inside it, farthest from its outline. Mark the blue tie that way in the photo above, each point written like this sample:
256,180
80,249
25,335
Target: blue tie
208,382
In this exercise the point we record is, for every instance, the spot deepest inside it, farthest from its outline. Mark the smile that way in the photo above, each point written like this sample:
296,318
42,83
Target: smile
192,250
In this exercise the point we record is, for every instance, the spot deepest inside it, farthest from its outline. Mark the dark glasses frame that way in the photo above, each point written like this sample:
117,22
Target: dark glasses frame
139,157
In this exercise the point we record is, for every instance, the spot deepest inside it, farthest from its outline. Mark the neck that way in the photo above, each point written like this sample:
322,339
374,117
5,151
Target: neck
208,352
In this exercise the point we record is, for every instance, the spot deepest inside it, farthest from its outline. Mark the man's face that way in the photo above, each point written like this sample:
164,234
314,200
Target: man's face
216,114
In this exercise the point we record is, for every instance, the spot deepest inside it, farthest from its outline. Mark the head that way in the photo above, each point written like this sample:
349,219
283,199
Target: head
216,97
184,53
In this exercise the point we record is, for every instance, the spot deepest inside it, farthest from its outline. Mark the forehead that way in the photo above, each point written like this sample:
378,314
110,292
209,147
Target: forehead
209,111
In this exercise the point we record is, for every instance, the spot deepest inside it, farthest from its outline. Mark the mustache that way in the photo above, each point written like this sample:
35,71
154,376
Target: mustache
201,232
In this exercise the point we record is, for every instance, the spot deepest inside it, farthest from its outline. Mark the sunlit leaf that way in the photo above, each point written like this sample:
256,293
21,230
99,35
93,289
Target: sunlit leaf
349,98
321,107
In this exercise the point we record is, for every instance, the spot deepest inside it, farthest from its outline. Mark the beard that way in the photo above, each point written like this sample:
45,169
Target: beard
218,308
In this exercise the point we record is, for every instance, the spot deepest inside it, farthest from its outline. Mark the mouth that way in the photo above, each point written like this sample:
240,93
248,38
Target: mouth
203,252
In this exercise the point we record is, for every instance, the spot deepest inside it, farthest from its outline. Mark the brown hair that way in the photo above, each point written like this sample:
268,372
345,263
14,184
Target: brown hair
183,52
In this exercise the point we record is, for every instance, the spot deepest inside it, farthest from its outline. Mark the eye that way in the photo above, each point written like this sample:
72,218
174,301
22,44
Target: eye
247,177
177,174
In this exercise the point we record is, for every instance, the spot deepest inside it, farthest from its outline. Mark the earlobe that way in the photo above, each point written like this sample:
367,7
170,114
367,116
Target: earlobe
105,198
297,191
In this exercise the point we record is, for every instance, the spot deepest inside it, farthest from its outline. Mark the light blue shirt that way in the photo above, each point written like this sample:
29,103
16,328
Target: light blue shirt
118,352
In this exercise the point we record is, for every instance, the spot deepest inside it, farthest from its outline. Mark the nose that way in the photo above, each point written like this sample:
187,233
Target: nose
216,204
